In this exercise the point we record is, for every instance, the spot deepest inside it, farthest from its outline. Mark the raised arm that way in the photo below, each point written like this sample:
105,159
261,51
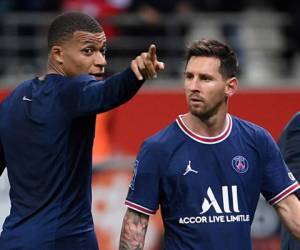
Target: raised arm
99,96
288,210
134,230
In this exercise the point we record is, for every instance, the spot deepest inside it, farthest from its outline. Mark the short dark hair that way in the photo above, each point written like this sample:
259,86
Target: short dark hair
64,25
221,51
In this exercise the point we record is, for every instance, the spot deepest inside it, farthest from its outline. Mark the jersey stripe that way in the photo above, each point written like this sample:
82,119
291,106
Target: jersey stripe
286,192
139,208
204,139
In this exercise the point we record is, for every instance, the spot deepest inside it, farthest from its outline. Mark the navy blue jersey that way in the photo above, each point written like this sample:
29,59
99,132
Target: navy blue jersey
208,187
47,132
289,144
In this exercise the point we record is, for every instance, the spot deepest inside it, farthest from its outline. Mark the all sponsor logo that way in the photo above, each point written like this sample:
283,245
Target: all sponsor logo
226,211
211,202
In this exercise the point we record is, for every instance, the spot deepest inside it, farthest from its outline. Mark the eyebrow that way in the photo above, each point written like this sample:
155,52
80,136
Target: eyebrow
200,75
89,42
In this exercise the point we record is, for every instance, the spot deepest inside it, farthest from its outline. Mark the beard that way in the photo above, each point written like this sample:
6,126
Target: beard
205,113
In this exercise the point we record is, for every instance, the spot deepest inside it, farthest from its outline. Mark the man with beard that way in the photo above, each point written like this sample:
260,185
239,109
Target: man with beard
207,169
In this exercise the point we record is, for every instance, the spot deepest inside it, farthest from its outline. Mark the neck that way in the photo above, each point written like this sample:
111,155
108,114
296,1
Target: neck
211,126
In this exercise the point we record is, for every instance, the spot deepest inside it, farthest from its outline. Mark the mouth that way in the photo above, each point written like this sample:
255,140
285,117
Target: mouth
196,99
99,76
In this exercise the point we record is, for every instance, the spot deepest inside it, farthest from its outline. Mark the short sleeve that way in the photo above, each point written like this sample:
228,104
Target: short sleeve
144,189
278,182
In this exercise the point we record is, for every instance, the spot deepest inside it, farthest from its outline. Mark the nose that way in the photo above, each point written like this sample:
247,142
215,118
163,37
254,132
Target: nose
194,84
100,59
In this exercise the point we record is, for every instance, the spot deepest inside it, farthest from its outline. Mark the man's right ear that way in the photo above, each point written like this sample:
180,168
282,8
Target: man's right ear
57,54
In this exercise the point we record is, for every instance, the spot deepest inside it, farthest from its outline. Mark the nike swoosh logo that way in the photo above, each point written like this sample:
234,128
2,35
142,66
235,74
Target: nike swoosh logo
26,99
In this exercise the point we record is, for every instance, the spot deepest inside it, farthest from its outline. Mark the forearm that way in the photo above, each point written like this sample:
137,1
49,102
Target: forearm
121,89
97,97
289,212
134,230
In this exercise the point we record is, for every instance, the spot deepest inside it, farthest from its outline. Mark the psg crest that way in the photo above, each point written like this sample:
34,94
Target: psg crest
240,164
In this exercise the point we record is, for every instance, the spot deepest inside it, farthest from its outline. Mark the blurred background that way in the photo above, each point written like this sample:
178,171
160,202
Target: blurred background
264,34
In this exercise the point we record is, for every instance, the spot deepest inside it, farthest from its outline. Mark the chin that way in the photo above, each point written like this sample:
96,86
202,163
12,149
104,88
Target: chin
196,111
201,114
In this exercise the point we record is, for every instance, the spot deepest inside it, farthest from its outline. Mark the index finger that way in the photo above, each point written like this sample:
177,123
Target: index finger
152,52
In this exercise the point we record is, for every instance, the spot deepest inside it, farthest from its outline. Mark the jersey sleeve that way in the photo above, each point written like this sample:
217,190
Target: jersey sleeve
289,144
278,182
144,189
84,95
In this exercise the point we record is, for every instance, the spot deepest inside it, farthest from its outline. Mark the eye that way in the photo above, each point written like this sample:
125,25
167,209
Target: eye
188,76
88,51
205,78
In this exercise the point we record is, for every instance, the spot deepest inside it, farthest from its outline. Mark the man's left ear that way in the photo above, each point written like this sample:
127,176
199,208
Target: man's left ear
231,86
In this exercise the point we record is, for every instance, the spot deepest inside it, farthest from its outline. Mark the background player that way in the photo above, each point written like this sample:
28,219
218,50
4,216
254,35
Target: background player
47,130
289,144
233,160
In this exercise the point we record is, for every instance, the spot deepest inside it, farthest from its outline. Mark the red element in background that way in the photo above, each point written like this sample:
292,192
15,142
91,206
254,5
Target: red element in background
100,9
108,179
270,243
150,111
4,93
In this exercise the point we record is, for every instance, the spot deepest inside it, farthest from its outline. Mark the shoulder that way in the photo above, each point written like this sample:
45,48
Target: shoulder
164,139
294,122
77,82
19,90
69,88
296,117
83,79
247,125
251,130
23,85
157,149
291,132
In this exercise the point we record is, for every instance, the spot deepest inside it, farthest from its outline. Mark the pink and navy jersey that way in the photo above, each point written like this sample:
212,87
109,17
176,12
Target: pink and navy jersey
208,187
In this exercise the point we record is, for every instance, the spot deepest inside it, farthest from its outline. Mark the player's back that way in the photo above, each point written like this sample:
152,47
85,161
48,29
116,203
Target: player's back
46,150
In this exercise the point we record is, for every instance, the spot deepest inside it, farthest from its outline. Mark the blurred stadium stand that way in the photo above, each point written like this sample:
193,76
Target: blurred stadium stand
258,40
260,43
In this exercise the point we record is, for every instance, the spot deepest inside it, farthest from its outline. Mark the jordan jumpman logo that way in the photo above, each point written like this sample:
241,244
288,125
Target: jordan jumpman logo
189,169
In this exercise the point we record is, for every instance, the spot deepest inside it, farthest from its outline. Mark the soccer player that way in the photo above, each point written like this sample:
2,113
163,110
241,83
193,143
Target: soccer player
47,130
207,169
289,144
